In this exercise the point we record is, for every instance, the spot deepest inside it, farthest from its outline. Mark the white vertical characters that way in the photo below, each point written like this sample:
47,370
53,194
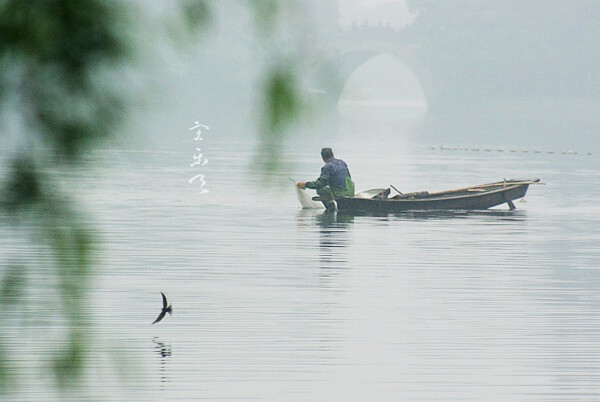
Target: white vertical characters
198,158
202,182
197,124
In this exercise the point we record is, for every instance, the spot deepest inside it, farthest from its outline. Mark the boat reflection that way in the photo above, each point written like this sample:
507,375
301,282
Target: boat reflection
494,214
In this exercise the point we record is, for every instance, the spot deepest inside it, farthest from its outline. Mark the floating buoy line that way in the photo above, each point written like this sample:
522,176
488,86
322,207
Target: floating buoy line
524,151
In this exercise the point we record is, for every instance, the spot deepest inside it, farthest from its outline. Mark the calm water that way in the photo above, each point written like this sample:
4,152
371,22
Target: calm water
275,303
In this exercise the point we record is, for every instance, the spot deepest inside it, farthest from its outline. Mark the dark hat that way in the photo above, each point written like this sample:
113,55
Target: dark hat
326,153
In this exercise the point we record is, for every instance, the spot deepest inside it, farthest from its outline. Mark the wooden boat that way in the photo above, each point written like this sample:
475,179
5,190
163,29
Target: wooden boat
483,196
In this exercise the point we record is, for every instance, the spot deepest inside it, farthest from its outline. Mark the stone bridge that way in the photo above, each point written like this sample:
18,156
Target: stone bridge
344,54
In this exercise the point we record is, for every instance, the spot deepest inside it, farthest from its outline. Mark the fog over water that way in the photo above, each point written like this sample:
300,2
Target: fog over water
502,74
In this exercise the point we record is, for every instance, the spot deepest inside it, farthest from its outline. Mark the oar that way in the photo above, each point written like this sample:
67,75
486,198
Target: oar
398,191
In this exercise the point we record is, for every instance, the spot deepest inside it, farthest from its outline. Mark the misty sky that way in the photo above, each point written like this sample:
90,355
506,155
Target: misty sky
519,68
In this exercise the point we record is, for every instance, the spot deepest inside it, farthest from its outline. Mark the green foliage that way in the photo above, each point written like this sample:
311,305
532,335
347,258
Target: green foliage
54,221
12,286
283,102
68,363
283,105
196,14
6,376
57,47
23,187
58,61
192,15
62,32
266,14
53,55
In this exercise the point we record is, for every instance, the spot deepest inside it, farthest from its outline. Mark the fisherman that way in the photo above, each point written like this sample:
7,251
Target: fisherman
335,180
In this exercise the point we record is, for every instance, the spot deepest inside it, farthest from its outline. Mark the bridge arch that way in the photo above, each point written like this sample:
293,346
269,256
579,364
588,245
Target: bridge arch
332,76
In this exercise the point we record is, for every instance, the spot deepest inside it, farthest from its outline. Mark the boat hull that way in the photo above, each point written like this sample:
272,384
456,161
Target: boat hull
476,201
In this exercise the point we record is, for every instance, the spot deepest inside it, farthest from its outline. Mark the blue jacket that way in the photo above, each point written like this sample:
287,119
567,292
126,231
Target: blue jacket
334,174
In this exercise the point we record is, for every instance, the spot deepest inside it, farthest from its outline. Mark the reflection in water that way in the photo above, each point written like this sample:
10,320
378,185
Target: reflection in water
333,240
285,305
514,215
164,351
334,237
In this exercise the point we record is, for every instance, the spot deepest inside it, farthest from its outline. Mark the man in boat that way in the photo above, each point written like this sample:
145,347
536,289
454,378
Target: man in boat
335,180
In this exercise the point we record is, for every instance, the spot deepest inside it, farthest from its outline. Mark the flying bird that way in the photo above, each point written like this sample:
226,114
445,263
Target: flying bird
165,309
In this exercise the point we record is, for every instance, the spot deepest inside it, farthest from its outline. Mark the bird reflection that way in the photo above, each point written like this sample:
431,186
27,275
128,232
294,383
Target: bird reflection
164,351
